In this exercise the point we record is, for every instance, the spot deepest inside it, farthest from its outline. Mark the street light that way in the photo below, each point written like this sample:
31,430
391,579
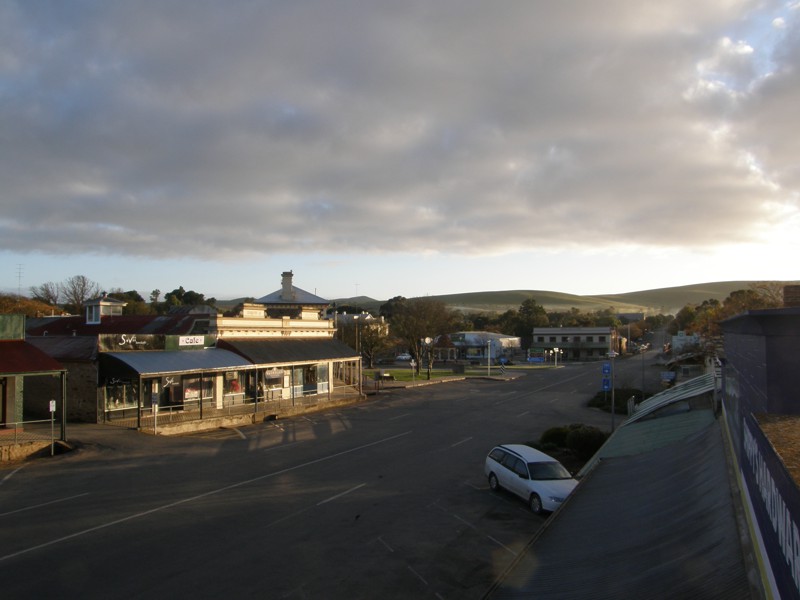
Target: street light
427,342
554,353
355,320
611,355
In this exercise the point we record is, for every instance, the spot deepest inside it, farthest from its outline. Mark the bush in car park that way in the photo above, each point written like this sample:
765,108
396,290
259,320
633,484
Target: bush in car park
585,440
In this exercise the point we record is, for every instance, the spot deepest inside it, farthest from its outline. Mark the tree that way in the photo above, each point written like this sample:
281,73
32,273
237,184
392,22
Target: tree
154,296
372,340
76,290
416,319
49,293
135,304
11,304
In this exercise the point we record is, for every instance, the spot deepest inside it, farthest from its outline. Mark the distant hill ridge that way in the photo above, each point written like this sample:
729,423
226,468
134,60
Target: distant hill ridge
662,300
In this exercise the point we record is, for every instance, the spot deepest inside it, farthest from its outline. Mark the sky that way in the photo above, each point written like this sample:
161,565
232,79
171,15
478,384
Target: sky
381,148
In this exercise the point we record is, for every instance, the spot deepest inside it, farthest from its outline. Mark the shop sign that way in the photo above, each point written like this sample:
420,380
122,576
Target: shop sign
170,381
273,374
191,340
111,342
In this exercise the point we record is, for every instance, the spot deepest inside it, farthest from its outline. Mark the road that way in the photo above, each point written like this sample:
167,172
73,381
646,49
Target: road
385,499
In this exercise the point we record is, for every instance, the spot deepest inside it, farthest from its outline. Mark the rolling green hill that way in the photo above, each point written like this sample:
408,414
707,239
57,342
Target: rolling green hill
663,300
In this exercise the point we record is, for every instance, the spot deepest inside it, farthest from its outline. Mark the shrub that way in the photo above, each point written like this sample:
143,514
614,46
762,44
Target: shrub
555,436
585,440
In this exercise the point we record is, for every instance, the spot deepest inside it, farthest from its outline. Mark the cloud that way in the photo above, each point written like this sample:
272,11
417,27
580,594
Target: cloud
163,129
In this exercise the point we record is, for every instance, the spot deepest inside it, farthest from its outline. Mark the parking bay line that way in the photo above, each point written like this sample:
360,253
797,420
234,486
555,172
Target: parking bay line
352,489
198,497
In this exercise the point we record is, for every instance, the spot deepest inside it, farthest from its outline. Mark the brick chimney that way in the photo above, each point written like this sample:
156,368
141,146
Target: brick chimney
287,292
791,296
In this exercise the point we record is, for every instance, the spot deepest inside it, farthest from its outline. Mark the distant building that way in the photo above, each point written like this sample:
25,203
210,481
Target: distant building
477,345
574,343
278,355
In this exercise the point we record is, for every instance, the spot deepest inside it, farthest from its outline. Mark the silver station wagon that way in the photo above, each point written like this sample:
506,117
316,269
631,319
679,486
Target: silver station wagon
537,478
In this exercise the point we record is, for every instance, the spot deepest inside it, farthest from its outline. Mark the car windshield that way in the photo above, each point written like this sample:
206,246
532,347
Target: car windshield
548,470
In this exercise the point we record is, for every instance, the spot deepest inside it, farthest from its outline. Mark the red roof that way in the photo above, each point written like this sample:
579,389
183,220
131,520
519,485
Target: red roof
156,324
18,357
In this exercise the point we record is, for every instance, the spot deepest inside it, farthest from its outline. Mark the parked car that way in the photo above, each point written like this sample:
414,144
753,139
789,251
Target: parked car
403,356
537,478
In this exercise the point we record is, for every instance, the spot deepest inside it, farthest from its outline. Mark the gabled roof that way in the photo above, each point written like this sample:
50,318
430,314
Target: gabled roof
18,357
655,525
299,298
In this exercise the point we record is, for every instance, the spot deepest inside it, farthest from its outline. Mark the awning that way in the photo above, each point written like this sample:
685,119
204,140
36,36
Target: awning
125,365
288,351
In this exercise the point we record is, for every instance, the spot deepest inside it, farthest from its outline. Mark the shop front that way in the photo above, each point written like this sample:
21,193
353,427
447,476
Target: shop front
187,384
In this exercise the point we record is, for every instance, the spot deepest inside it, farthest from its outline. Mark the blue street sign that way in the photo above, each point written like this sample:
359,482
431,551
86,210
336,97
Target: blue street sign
606,384
606,368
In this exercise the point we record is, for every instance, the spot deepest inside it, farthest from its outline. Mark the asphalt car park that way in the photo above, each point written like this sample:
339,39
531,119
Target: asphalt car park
386,498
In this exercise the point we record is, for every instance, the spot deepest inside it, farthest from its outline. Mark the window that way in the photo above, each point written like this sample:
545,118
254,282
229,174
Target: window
589,338
497,454
93,314
553,339
577,338
540,339
602,338
233,383
564,338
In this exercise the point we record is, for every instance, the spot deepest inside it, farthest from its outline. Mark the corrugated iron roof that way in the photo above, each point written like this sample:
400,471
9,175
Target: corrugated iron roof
155,324
683,391
158,362
643,436
67,348
655,525
18,357
285,351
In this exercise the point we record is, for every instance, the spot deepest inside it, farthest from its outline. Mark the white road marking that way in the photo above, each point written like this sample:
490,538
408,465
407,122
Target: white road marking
10,474
461,442
421,578
198,497
19,510
387,546
352,489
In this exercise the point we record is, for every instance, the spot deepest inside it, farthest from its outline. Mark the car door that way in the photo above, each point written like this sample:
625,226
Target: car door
514,467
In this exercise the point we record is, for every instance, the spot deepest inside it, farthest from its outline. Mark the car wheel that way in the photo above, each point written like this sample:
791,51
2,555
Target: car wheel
494,485
536,504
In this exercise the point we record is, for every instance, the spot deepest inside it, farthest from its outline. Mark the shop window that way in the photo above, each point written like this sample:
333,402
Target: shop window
233,383
196,387
120,396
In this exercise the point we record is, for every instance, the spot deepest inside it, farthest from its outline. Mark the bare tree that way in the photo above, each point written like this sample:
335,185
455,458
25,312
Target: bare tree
49,293
77,290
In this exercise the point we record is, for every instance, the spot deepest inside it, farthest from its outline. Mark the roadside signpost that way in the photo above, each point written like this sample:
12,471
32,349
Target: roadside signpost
52,427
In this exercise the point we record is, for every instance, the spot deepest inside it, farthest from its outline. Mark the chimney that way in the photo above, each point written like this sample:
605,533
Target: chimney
791,296
287,293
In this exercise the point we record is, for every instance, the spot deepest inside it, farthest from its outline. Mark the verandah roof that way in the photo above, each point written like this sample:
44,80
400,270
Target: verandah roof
157,362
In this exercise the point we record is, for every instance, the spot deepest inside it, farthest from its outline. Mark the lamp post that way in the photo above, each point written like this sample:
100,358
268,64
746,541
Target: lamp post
427,342
355,321
611,355
554,353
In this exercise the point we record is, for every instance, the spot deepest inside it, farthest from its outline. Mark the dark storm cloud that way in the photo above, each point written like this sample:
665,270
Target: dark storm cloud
223,129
